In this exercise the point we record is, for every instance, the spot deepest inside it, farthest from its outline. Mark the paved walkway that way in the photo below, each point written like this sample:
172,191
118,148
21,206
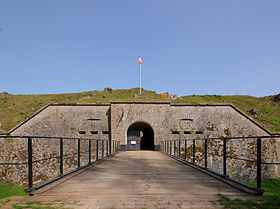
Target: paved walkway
139,179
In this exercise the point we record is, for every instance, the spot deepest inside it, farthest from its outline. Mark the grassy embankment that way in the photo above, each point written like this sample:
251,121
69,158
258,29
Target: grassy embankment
271,187
7,199
260,203
16,108
8,190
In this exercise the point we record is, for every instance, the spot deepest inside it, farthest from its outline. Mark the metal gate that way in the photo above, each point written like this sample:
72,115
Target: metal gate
133,140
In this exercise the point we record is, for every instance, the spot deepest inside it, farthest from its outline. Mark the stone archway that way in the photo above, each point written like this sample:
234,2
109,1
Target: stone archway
140,136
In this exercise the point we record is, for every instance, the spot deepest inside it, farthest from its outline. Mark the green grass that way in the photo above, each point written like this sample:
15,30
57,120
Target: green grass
8,190
56,204
260,203
271,186
16,108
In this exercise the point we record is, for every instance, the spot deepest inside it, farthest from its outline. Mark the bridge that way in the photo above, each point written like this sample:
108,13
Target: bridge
144,178
106,177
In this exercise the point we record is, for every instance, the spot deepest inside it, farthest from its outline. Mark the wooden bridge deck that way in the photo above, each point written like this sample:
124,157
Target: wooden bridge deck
139,179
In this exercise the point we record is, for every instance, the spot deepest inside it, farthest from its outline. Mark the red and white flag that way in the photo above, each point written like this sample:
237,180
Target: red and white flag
140,61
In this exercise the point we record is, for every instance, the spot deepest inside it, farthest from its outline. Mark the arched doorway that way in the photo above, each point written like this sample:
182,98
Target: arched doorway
140,136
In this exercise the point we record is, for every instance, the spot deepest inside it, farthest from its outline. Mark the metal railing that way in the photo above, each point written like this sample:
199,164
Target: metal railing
55,148
187,150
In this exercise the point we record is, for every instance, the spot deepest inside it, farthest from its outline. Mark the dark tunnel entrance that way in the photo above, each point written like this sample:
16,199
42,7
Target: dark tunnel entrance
140,136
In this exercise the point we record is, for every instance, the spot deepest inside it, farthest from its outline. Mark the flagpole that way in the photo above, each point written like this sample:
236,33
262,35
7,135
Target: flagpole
140,78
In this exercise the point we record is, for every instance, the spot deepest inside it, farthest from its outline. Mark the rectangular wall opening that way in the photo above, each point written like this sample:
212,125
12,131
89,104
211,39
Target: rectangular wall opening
94,132
175,132
188,119
82,132
187,132
105,132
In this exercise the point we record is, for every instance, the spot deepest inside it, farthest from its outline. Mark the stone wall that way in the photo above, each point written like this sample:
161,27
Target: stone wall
210,121
79,121
168,121
156,115
204,121
87,121
45,155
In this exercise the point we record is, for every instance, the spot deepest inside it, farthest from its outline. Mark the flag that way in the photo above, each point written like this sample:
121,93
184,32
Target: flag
140,61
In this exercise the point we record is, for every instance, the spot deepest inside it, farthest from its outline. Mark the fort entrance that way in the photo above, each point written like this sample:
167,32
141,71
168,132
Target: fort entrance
140,136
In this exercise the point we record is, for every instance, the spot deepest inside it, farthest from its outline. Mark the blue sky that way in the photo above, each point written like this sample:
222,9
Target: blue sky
187,46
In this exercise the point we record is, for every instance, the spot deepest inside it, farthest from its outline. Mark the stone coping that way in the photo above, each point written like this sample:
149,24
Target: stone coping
140,102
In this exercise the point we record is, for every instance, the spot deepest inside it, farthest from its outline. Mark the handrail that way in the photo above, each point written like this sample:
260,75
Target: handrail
173,148
103,149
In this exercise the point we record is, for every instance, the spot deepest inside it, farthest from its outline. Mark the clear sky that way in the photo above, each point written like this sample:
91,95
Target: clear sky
187,46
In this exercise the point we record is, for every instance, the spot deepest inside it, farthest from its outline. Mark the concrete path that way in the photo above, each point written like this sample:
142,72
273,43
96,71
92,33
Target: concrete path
139,179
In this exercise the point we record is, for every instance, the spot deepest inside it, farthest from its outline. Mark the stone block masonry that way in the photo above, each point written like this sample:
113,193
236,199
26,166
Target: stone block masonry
112,121
86,121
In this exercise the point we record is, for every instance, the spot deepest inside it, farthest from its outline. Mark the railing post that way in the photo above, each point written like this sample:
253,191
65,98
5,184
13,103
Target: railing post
109,145
61,156
107,148
79,153
119,146
225,156
205,153
110,148
89,151
113,151
193,151
30,171
179,148
170,147
102,142
185,149
174,153
259,162
97,150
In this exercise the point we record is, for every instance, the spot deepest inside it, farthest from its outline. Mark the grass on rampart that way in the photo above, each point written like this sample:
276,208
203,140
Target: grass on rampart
260,203
271,186
16,108
8,190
